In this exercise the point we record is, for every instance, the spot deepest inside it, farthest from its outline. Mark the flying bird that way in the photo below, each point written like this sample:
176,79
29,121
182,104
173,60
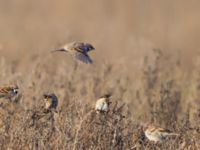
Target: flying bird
9,92
51,101
78,50
103,103
157,134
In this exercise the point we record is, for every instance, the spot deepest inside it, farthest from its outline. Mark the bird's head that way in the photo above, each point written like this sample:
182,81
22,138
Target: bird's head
108,95
88,47
15,89
48,96
107,98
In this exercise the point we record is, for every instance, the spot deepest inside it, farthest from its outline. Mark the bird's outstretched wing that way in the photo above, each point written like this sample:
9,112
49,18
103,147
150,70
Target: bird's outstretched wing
82,57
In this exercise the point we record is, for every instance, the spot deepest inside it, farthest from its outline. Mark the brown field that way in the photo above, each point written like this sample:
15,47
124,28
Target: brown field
147,55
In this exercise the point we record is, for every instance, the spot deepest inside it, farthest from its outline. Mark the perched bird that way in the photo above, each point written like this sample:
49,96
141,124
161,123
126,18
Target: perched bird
157,134
78,50
103,103
51,101
9,92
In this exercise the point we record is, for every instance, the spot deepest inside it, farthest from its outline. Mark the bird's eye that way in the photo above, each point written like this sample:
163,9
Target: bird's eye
15,91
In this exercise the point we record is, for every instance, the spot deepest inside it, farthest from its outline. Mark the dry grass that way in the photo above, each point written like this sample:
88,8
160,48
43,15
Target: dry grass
158,86
162,94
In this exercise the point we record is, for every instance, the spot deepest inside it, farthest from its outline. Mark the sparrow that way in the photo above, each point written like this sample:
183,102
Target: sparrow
158,134
78,50
9,92
103,103
51,101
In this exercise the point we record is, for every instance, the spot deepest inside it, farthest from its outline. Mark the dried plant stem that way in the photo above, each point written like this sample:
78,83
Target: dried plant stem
79,128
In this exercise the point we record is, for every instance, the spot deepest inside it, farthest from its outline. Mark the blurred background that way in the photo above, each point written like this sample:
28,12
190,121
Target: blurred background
119,30
147,55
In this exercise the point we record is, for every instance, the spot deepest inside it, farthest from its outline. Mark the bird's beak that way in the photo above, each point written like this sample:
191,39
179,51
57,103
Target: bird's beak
59,50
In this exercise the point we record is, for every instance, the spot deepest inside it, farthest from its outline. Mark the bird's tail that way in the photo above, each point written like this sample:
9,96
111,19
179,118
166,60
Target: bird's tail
59,50
174,134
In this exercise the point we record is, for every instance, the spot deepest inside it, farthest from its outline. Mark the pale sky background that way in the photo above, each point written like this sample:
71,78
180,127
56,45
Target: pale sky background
121,29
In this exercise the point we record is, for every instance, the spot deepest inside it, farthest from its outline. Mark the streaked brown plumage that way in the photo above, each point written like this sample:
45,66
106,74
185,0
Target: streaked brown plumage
78,50
158,134
9,91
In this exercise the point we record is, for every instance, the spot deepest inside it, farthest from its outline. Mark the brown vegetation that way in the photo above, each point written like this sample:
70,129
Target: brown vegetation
163,95
149,85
